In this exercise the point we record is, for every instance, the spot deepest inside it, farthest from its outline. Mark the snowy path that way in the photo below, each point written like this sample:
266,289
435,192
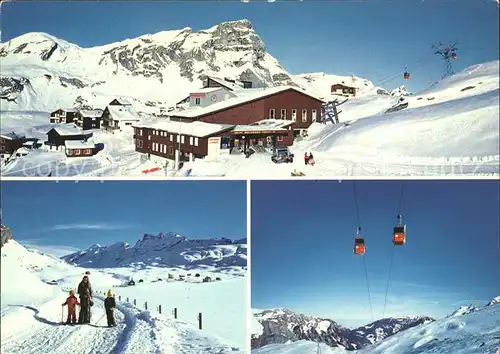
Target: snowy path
137,331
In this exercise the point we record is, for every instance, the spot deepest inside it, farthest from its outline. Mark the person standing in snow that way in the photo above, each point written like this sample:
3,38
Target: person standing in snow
71,302
310,161
110,305
85,293
306,158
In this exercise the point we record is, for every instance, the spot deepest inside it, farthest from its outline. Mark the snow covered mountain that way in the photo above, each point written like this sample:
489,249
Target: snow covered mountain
281,326
164,250
41,72
464,310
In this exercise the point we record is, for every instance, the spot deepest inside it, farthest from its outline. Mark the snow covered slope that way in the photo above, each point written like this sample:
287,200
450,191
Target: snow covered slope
31,311
41,72
165,250
452,129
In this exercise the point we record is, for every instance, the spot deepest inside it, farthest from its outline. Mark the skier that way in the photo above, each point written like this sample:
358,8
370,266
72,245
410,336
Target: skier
71,301
110,305
306,158
85,292
310,161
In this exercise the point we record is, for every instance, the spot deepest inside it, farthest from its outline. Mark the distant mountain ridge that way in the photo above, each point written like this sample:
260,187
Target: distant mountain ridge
282,326
164,250
41,72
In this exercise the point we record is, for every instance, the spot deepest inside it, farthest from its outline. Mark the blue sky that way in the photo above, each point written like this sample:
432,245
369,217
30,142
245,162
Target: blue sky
375,39
302,247
64,216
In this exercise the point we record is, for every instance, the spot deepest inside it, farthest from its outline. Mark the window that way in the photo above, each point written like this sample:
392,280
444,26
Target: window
271,113
177,140
283,114
182,139
139,143
170,150
294,115
88,151
280,138
69,152
190,140
195,141
197,100
313,115
149,137
304,115
171,137
77,152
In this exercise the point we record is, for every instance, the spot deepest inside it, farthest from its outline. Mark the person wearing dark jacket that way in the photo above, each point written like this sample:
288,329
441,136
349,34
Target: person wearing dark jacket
85,293
110,305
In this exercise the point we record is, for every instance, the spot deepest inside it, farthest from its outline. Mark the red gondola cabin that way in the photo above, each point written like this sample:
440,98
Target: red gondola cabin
406,75
359,246
399,235
453,56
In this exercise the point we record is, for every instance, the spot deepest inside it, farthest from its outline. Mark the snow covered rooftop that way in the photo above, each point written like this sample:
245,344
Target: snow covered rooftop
123,113
74,110
230,85
263,125
123,101
208,90
243,96
68,129
197,129
94,113
77,144
11,136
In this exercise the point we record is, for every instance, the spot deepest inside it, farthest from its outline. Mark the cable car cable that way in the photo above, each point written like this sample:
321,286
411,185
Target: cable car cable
364,258
400,204
368,286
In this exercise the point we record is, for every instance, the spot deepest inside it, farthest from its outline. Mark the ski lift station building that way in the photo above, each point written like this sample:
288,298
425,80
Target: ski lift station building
222,115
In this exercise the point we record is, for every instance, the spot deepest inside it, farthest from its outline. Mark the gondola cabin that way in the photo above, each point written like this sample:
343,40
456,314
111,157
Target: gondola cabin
453,56
406,75
359,246
399,235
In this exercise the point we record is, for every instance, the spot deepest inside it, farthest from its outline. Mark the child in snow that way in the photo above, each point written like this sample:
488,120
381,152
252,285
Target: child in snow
109,305
71,301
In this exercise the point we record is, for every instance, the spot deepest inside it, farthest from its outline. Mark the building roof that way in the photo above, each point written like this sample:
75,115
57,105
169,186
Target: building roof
243,96
78,144
265,125
88,113
11,136
197,129
123,101
68,129
229,85
74,110
123,113
28,143
208,90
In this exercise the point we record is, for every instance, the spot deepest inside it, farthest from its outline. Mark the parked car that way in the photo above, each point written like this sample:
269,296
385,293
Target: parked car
282,154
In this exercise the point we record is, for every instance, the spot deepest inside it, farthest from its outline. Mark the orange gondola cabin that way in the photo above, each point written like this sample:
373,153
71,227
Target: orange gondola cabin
406,75
399,235
453,56
359,246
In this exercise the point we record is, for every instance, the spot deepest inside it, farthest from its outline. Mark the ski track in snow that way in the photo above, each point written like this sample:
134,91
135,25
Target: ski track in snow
136,332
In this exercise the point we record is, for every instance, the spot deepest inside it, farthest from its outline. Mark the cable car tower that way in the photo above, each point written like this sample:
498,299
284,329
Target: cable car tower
447,53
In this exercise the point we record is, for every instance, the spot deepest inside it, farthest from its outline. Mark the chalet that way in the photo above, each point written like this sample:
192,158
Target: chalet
178,141
79,148
249,106
89,119
343,90
31,143
63,116
10,142
118,115
56,137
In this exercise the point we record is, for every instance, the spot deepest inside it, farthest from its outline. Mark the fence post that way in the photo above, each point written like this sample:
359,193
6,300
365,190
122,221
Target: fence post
200,321
135,303
175,313
146,305
159,309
